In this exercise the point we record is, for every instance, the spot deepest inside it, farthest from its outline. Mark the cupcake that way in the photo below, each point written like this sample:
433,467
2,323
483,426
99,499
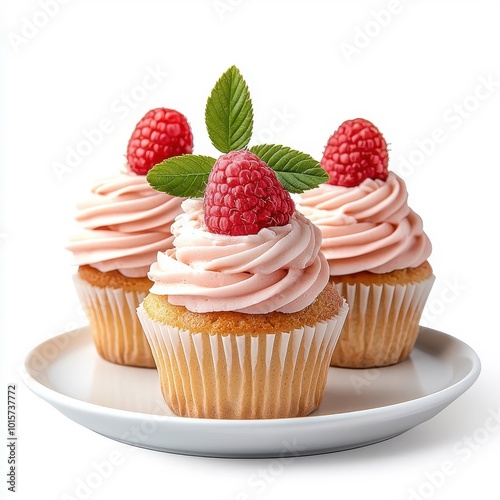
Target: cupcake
241,318
122,226
375,245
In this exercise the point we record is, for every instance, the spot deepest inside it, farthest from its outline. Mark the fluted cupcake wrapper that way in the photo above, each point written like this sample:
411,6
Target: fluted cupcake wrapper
382,325
243,376
116,330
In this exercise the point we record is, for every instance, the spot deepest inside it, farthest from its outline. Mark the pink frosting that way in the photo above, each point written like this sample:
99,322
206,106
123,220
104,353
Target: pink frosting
278,269
369,227
124,223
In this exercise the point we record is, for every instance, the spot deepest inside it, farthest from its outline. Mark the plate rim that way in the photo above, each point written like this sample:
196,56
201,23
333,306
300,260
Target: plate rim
452,392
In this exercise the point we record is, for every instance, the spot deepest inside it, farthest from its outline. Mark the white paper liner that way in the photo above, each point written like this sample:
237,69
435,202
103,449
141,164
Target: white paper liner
243,376
116,330
382,325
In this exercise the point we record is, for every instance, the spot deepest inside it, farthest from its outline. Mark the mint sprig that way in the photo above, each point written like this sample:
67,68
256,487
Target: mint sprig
229,122
297,171
184,176
229,112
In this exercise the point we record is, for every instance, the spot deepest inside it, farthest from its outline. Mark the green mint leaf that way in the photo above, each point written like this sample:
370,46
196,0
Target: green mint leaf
297,171
184,176
229,112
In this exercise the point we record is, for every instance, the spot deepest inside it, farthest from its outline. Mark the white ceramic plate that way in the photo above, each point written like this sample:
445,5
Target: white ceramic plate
360,407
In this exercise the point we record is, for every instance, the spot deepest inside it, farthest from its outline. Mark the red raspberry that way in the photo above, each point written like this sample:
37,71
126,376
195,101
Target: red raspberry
161,133
243,195
355,152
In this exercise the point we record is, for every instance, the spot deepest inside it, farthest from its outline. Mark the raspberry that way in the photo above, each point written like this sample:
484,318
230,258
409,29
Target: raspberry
243,195
161,133
355,152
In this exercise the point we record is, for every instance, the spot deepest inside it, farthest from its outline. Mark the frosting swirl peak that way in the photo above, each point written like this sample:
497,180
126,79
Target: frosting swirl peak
369,227
124,223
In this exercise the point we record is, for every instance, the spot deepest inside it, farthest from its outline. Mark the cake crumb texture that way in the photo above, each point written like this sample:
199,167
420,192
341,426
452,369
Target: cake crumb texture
113,279
324,307
397,277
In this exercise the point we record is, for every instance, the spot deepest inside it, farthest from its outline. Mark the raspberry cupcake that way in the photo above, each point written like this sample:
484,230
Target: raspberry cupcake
375,245
122,226
241,319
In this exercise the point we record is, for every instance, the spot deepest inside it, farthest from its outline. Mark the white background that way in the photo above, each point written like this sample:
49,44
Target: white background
425,71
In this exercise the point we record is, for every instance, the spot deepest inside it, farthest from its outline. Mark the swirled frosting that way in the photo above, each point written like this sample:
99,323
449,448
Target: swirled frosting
278,269
369,227
124,224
